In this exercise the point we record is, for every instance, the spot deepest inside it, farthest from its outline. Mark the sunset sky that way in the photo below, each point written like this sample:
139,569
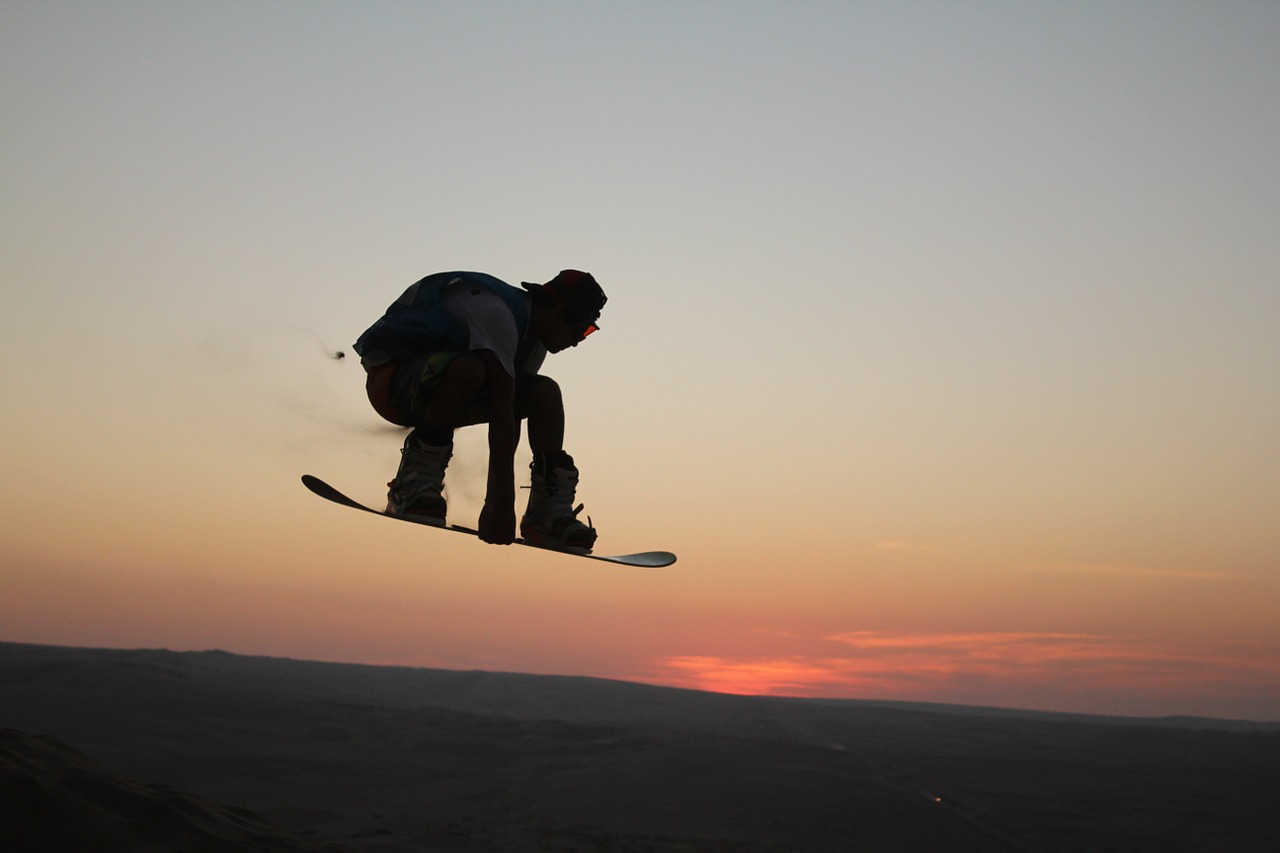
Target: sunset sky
942,344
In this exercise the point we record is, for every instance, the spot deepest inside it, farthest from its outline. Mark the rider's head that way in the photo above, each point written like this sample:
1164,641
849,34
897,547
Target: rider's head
566,309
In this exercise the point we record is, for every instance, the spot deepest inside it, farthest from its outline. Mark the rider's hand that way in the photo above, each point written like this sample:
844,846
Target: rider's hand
498,522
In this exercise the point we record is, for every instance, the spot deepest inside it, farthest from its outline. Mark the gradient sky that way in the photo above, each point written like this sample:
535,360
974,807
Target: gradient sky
942,342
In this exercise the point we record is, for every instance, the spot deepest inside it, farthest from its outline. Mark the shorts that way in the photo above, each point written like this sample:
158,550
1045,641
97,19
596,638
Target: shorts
415,378
400,391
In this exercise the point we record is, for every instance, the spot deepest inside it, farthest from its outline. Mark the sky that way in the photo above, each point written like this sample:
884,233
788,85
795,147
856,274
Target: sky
941,342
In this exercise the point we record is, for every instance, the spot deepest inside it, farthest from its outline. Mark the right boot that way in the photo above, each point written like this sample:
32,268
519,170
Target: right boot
551,519
417,492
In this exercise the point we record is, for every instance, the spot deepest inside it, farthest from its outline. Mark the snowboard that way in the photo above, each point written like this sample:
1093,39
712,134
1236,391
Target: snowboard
642,560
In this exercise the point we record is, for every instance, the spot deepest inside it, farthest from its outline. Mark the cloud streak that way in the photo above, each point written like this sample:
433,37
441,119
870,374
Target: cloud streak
1014,667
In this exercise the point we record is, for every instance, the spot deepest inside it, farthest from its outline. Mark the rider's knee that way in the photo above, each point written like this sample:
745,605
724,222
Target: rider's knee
541,392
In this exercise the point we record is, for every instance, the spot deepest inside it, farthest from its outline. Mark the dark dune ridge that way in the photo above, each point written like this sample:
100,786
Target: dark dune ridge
52,798
208,751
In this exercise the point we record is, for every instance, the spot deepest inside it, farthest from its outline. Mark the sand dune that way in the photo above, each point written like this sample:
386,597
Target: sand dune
52,798
241,753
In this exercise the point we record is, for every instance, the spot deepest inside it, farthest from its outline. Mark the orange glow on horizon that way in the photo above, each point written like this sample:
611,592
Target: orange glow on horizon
942,667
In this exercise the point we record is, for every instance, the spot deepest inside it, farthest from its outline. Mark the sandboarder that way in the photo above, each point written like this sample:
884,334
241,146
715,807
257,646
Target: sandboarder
461,348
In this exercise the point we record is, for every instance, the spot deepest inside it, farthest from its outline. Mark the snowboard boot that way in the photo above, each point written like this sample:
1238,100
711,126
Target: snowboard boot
551,519
417,492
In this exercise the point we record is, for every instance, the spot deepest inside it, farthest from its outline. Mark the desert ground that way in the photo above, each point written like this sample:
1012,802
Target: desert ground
152,750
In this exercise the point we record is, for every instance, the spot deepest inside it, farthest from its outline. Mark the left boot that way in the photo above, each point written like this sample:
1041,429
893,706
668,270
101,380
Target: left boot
551,519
